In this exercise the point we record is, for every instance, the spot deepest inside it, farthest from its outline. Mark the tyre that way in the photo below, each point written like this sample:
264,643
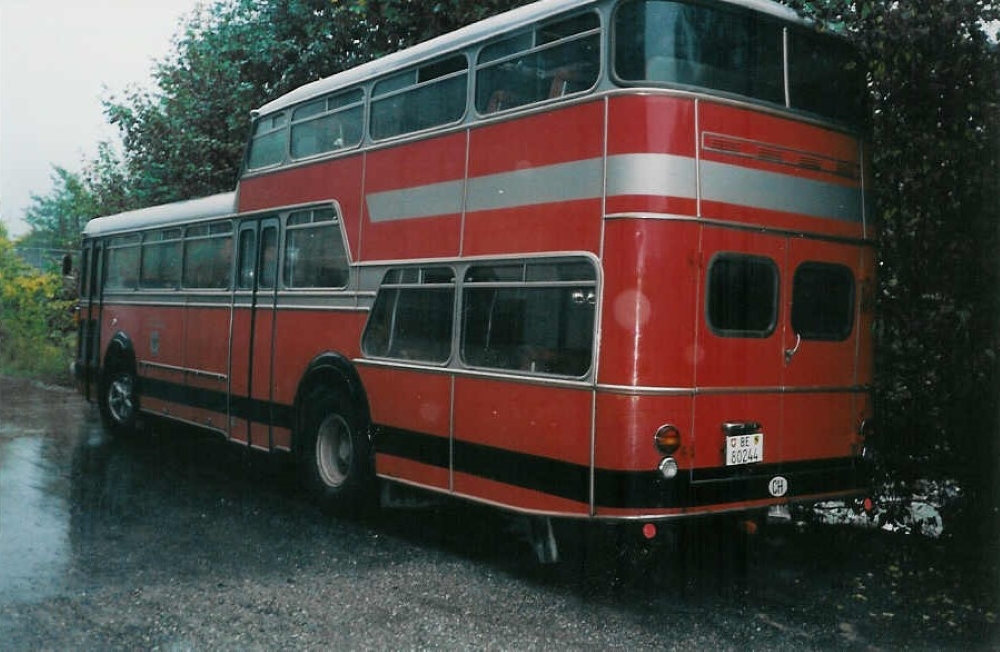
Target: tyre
120,402
334,454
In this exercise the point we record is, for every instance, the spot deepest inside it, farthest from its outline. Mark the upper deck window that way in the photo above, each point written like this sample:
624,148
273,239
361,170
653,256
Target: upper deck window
420,98
736,50
269,141
554,59
730,50
328,124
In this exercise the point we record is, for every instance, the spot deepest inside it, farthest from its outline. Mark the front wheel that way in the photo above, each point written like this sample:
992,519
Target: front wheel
334,453
120,402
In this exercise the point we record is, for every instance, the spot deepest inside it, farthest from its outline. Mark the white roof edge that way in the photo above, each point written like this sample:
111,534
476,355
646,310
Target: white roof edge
218,205
470,34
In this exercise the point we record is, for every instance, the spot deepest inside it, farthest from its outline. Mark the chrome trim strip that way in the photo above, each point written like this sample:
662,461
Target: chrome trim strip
743,226
520,378
646,390
187,371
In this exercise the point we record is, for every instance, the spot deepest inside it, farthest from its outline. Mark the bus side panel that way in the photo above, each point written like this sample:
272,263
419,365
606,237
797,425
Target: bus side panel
535,184
819,426
207,360
411,411
651,156
413,199
532,436
339,179
651,301
159,352
626,480
239,371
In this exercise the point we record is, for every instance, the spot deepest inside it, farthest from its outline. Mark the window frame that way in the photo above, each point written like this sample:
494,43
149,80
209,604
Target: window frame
775,294
828,335
292,227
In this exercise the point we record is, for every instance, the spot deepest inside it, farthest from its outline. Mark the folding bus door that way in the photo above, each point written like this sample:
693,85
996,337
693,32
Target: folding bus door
89,325
251,358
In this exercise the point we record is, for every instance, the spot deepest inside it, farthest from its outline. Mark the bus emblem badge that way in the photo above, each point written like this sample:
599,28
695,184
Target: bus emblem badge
778,486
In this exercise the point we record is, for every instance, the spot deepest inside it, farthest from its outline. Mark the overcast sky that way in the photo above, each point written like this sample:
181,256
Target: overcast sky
58,59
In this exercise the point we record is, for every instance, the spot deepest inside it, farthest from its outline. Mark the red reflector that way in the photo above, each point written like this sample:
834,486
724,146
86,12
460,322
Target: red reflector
649,530
868,505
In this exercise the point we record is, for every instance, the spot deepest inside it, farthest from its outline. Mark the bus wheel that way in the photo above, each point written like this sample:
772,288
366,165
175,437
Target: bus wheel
120,402
334,454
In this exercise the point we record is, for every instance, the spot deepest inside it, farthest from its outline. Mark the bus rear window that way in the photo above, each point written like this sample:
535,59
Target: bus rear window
742,295
823,301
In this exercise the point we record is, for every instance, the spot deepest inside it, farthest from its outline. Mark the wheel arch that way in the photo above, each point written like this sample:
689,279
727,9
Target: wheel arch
334,371
120,353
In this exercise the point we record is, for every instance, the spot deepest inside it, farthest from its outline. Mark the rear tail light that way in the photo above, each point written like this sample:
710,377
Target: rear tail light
667,439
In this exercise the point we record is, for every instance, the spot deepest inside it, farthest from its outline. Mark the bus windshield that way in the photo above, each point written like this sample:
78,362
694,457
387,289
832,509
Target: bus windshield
735,50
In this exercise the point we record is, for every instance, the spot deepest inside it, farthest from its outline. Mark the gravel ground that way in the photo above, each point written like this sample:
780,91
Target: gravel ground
177,541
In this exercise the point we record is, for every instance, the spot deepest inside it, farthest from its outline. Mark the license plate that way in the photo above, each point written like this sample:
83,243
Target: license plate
745,449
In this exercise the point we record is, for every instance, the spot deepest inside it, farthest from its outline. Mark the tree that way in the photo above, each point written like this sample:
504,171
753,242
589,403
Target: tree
934,74
58,218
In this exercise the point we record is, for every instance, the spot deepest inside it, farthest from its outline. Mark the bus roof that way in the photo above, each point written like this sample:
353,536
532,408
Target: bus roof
165,214
471,34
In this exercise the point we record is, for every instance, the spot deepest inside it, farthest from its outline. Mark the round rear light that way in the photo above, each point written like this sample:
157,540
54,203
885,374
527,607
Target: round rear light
667,439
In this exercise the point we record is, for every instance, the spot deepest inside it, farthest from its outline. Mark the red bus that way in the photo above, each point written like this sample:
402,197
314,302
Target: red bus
592,259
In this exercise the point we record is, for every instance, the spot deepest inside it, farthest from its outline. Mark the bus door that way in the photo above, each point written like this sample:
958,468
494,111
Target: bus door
777,377
820,309
741,340
89,339
251,355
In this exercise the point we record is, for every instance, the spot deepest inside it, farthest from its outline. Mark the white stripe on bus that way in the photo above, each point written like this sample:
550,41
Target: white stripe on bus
627,174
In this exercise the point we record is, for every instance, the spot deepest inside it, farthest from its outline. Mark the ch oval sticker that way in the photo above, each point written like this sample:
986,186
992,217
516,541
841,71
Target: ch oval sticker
778,486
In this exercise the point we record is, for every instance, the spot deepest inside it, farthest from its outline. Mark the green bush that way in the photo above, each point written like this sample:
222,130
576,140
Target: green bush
37,334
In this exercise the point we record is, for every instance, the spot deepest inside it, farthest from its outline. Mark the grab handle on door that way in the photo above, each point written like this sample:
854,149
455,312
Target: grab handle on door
790,353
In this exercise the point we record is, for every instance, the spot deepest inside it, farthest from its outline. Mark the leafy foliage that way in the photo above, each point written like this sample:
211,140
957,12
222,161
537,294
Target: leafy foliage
36,327
934,73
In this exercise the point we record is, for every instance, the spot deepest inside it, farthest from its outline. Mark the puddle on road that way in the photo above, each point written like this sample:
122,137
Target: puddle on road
34,523
38,427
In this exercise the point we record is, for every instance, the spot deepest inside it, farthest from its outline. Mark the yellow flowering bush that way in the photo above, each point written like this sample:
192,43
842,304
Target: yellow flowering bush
37,334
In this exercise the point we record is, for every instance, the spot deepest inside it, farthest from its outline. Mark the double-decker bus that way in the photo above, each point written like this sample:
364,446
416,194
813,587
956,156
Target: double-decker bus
591,259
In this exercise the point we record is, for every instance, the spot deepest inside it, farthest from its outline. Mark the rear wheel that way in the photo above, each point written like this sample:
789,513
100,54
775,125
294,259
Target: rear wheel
334,453
120,401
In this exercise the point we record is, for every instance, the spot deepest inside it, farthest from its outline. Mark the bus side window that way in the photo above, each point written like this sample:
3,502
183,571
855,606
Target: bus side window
536,317
412,316
315,256
248,258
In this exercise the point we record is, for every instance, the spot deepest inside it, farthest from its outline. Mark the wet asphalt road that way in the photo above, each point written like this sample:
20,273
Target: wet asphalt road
177,541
